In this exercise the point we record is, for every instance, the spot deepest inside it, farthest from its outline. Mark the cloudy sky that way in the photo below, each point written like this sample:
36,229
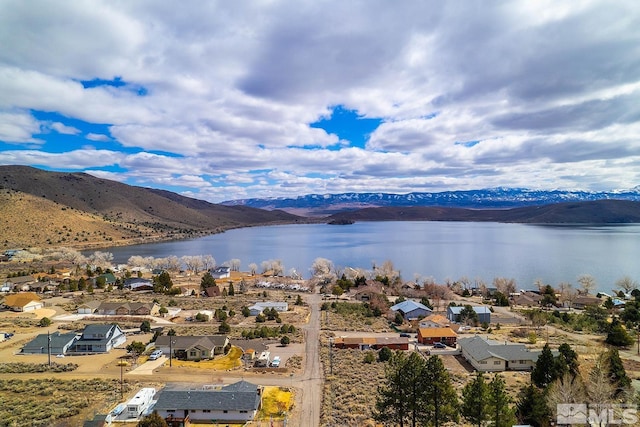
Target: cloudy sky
236,99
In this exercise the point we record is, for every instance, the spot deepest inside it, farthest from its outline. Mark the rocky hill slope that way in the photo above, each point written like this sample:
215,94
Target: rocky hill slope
38,207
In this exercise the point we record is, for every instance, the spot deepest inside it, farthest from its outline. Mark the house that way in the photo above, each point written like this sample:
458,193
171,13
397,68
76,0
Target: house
212,291
5,287
483,312
23,301
583,301
55,343
526,299
99,339
220,272
259,307
495,356
410,309
433,335
234,403
372,343
435,321
128,309
109,279
88,307
192,347
138,284
21,283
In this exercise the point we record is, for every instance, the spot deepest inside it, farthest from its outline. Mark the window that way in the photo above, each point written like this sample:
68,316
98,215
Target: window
206,411
497,362
225,411
483,362
171,410
243,412
193,411
522,362
192,353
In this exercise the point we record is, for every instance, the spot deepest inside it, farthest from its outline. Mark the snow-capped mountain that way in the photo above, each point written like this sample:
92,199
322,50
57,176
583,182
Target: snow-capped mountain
325,204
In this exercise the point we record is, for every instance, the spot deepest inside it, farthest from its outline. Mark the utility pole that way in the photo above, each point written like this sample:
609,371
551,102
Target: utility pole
171,342
49,347
122,364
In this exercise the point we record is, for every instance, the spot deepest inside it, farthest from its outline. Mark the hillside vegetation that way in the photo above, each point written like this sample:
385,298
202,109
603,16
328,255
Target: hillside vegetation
592,212
76,209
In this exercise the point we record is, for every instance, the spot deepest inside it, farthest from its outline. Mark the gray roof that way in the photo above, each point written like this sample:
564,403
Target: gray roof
480,309
481,349
185,342
58,341
408,306
240,396
92,330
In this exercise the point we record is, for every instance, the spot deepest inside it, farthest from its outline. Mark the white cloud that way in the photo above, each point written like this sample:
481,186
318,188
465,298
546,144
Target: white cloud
219,95
62,128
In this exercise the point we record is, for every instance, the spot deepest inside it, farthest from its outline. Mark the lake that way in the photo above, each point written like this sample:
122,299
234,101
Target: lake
442,250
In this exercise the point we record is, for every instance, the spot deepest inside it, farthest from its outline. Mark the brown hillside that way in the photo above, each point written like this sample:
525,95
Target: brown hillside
137,212
594,212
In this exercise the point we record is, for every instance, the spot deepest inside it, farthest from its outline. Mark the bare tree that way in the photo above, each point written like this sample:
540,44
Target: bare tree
135,261
568,389
192,263
276,267
504,285
387,269
101,259
253,268
568,293
265,265
172,263
587,282
293,273
627,284
235,264
208,262
321,267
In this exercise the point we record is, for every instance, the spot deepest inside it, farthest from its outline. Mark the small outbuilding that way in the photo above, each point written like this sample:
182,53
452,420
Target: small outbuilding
431,336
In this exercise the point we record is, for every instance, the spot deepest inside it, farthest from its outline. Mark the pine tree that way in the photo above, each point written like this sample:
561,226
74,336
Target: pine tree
567,361
619,379
441,400
474,406
618,335
500,413
544,371
391,406
532,407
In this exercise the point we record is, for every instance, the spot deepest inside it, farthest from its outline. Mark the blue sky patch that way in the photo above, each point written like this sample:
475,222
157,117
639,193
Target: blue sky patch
348,125
467,144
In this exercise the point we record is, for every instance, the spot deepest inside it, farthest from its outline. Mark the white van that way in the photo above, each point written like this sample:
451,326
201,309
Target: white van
155,355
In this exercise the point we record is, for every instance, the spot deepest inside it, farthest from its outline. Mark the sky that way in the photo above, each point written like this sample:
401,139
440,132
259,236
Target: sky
224,100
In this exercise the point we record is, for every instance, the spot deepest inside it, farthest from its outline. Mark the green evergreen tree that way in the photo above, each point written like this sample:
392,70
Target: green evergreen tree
207,281
391,406
500,413
441,400
566,361
617,373
544,371
617,335
532,407
474,407
232,291
152,420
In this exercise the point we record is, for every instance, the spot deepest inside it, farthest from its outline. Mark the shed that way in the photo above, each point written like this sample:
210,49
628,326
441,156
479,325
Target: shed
439,334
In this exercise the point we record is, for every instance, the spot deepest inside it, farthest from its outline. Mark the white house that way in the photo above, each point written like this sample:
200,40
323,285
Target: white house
234,403
220,272
259,307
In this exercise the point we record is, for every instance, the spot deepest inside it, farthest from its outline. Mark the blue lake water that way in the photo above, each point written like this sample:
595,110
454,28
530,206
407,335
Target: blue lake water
442,250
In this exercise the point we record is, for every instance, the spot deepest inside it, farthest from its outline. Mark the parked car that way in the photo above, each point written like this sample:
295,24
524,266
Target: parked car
155,355
405,335
275,363
439,345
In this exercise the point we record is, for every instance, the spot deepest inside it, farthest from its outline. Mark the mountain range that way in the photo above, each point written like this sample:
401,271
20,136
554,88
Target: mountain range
41,208
493,198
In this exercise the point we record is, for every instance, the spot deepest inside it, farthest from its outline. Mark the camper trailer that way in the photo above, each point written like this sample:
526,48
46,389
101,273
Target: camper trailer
263,360
140,402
